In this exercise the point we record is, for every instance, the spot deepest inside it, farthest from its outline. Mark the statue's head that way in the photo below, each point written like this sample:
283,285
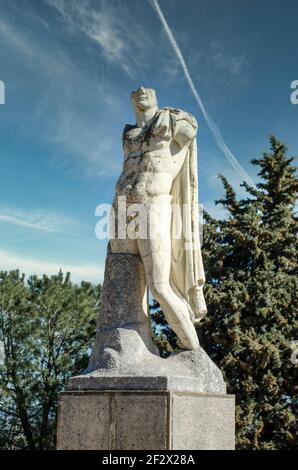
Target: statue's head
143,99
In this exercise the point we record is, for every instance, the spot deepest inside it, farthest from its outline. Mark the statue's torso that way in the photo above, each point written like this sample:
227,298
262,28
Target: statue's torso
151,163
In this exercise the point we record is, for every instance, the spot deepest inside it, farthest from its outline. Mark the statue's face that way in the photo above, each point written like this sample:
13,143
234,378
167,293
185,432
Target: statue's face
143,98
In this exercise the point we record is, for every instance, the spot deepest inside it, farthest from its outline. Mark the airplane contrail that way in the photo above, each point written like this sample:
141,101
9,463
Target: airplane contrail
213,127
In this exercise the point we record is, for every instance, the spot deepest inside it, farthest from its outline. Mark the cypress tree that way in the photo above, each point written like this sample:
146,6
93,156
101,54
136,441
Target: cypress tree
251,267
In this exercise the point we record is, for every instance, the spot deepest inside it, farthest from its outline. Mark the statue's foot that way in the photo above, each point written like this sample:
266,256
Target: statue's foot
187,334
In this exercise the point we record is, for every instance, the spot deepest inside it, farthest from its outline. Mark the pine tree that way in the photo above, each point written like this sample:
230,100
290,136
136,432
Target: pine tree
47,327
251,267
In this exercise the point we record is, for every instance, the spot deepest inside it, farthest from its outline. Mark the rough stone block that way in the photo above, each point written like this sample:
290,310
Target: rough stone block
145,420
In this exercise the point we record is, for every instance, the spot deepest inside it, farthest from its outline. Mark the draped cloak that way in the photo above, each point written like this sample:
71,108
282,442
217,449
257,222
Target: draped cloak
187,272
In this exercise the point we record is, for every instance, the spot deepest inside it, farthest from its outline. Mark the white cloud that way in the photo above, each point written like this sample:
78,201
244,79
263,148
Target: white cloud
39,219
24,223
233,64
89,146
87,272
74,121
52,63
111,27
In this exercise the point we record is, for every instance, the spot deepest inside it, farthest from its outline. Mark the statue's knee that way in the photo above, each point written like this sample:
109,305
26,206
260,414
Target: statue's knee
160,291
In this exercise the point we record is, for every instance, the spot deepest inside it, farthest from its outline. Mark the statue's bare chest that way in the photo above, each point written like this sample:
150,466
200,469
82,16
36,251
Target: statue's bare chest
138,140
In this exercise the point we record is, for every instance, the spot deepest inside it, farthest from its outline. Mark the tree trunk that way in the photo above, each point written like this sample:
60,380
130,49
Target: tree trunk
21,406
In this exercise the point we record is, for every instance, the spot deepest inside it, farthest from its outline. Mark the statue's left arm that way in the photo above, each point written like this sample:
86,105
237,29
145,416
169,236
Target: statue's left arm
184,128
177,125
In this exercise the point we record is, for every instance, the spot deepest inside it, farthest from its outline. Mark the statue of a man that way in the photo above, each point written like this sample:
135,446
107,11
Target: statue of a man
160,170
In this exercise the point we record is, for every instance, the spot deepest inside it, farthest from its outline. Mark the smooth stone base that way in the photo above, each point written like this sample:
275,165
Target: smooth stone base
145,420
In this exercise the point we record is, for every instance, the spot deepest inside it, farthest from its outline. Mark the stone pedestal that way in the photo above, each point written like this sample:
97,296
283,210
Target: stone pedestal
145,420
130,397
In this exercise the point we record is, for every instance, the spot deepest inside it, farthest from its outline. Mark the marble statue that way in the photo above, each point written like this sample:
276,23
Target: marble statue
160,169
130,397
159,175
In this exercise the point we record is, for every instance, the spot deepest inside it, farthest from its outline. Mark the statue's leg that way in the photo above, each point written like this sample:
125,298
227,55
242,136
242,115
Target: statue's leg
156,256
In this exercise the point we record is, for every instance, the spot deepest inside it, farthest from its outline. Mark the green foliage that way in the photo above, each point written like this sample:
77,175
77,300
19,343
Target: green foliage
251,292
47,325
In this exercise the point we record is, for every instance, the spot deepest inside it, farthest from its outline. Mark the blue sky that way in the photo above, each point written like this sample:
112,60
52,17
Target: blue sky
68,69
